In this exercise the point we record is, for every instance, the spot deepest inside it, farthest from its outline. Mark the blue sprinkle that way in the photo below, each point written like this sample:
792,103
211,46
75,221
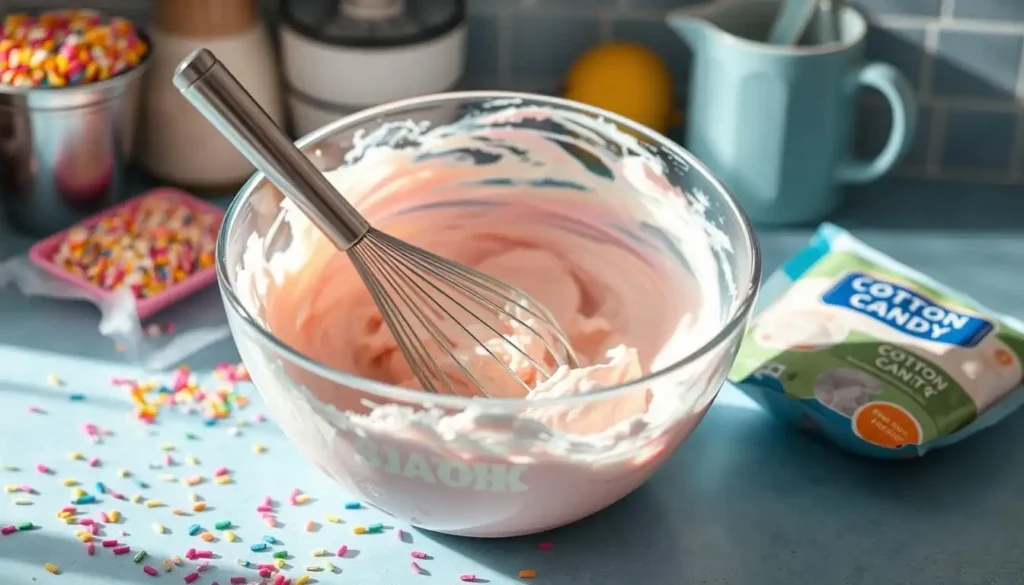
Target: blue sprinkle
76,397
100,487
86,499
141,483
210,422
269,539
353,505
259,546
194,529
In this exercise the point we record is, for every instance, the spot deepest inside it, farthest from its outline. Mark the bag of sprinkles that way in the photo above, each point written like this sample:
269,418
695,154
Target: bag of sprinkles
137,263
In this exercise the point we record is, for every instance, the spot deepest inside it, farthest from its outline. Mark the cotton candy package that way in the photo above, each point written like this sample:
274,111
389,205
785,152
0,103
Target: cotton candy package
879,358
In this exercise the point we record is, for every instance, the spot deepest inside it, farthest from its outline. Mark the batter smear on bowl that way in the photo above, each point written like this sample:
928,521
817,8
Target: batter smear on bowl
563,206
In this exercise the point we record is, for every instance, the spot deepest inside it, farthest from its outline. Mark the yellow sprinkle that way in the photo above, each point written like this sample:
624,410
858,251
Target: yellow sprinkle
328,566
75,456
62,514
154,503
77,493
279,563
123,472
176,560
229,536
137,498
223,479
9,488
270,522
54,380
333,519
359,530
113,516
302,498
258,448
70,520
302,580
527,574
22,502
70,482
314,568
191,460
167,565
194,480
158,528
320,552
84,536
168,477
206,536
51,568
167,447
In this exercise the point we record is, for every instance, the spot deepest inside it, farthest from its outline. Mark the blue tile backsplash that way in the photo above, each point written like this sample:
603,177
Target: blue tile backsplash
963,57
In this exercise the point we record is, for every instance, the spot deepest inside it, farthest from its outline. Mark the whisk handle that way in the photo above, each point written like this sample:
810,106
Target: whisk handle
218,95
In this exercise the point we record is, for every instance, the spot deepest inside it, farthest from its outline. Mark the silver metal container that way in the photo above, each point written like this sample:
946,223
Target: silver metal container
64,151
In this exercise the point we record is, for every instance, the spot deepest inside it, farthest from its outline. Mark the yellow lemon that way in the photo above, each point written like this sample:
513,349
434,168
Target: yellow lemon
625,78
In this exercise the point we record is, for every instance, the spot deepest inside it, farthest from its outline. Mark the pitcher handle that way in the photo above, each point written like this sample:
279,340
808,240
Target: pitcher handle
900,95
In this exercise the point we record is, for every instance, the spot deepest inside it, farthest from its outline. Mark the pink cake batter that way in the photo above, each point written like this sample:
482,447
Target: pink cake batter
485,469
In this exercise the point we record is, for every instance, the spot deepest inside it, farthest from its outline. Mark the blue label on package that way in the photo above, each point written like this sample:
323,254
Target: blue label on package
906,311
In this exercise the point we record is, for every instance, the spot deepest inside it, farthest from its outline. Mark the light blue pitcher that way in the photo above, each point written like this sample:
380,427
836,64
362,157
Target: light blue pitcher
775,122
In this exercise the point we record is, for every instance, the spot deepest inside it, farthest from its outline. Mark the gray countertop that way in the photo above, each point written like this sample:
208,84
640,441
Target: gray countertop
746,500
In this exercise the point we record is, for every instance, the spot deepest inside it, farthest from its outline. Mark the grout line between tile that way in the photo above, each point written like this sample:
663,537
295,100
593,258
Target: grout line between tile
936,141
1017,151
946,9
958,24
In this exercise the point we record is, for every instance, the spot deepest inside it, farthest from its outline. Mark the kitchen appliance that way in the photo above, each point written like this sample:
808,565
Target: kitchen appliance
340,56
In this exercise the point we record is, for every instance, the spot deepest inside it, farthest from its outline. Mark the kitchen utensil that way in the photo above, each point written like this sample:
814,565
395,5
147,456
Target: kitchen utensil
64,150
516,477
417,292
792,21
828,21
775,122
368,40
177,144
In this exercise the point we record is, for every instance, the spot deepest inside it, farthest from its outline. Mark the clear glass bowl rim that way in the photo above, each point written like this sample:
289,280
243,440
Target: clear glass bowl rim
397,393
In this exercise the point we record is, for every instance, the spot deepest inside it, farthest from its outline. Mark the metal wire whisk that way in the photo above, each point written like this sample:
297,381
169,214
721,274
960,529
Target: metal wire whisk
437,310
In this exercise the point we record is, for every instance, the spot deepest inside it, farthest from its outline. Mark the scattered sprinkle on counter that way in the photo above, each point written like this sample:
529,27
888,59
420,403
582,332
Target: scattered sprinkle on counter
52,569
527,574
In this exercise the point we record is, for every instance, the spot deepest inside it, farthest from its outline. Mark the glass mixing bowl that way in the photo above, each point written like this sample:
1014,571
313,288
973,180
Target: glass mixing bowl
493,467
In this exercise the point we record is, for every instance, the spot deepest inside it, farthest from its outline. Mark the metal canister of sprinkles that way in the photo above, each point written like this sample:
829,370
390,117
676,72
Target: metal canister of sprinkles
69,86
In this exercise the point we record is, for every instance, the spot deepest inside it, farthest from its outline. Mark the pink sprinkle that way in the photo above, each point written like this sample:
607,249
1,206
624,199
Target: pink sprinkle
42,468
264,573
109,543
94,529
416,568
418,555
268,501
121,550
104,517
90,548
342,550
190,554
26,489
221,471
279,580
8,529
238,580
267,516
267,566
69,509
204,554
87,521
36,409
467,577
168,460
117,495
191,577
94,462
546,546
264,509
149,571
258,417
399,534
202,566
90,429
